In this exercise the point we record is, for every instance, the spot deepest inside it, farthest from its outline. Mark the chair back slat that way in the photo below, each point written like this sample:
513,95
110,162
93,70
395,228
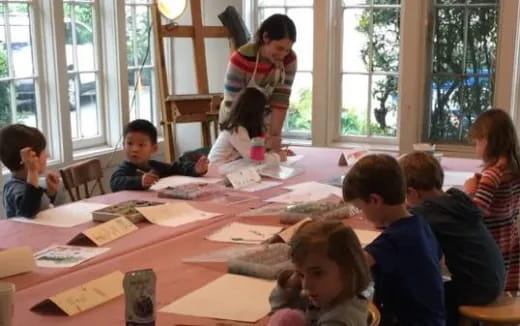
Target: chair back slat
81,174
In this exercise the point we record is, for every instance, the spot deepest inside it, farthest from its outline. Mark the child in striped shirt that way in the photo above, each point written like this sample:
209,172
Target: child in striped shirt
496,190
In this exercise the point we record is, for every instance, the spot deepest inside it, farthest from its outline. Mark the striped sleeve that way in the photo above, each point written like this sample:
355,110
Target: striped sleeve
489,183
282,93
236,76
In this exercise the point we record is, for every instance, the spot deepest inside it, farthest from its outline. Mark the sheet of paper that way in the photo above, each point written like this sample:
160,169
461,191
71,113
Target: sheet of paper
230,297
86,296
107,232
179,180
456,178
64,216
223,255
243,178
305,192
292,159
244,233
174,214
16,261
366,237
262,185
288,233
63,256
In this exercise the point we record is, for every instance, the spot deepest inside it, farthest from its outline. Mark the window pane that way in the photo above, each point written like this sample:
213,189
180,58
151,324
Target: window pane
20,37
385,37
449,2
448,40
492,2
387,2
303,19
4,64
88,105
143,34
356,2
300,110
262,3
299,2
384,106
130,36
482,40
5,104
142,100
356,40
354,104
266,12
446,108
25,102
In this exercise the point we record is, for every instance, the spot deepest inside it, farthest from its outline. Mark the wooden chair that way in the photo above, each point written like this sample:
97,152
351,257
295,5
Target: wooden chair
374,317
504,311
80,174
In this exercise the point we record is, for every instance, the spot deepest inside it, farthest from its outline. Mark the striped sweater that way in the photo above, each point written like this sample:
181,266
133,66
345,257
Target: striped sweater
240,70
498,196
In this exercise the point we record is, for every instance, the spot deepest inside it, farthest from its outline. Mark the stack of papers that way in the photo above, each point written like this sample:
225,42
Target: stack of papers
62,256
179,180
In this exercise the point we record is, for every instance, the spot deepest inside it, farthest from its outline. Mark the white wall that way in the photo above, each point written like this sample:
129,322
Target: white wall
184,81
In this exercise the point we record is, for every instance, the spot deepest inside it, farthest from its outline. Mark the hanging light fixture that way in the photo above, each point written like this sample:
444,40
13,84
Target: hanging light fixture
172,9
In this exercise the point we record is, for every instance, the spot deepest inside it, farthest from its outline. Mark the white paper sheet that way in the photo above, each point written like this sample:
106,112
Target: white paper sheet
64,216
174,214
305,192
456,178
262,185
63,256
230,297
178,180
244,233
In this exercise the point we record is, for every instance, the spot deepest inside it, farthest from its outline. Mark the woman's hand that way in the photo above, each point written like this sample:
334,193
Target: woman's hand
471,185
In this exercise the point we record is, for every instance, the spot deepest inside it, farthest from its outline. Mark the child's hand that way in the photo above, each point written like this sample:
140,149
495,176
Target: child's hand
289,279
283,155
53,181
30,160
148,179
201,167
471,185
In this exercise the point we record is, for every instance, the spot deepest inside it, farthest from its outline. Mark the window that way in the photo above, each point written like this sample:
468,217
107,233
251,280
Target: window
86,114
299,116
370,67
463,66
141,69
18,77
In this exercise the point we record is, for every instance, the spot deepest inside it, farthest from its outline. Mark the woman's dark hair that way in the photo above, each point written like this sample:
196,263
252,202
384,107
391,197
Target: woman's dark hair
247,111
276,27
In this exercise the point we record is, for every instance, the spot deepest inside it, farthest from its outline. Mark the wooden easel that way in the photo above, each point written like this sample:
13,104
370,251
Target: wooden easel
202,107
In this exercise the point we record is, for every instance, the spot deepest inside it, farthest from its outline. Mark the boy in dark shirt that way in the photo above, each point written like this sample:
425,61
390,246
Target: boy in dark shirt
23,151
471,254
139,172
405,258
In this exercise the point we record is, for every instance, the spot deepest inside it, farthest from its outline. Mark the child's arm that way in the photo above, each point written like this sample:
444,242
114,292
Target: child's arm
287,293
53,181
241,142
23,199
485,190
121,180
31,163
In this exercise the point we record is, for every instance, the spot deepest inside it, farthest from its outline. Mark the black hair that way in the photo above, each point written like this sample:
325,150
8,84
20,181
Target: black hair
142,126
247,111
276,27
14,138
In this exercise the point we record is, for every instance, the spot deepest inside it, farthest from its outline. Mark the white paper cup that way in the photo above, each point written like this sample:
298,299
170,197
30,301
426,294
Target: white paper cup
6,303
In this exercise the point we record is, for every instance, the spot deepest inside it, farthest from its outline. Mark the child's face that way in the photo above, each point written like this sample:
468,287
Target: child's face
43,161
321,278
139,148
371,208
480,147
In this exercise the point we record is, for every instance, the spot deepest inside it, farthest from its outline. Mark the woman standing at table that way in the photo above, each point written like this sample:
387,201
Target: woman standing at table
268,64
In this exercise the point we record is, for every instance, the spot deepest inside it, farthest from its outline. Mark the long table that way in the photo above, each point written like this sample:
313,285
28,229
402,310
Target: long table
160,248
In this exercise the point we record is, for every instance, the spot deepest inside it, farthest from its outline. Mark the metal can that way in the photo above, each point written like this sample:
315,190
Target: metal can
140,297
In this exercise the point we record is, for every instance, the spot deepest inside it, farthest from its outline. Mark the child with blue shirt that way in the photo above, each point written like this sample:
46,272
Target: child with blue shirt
404,258
139,172
23,152
471,254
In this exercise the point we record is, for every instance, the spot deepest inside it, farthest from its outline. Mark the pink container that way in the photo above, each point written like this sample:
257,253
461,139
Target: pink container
257,153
